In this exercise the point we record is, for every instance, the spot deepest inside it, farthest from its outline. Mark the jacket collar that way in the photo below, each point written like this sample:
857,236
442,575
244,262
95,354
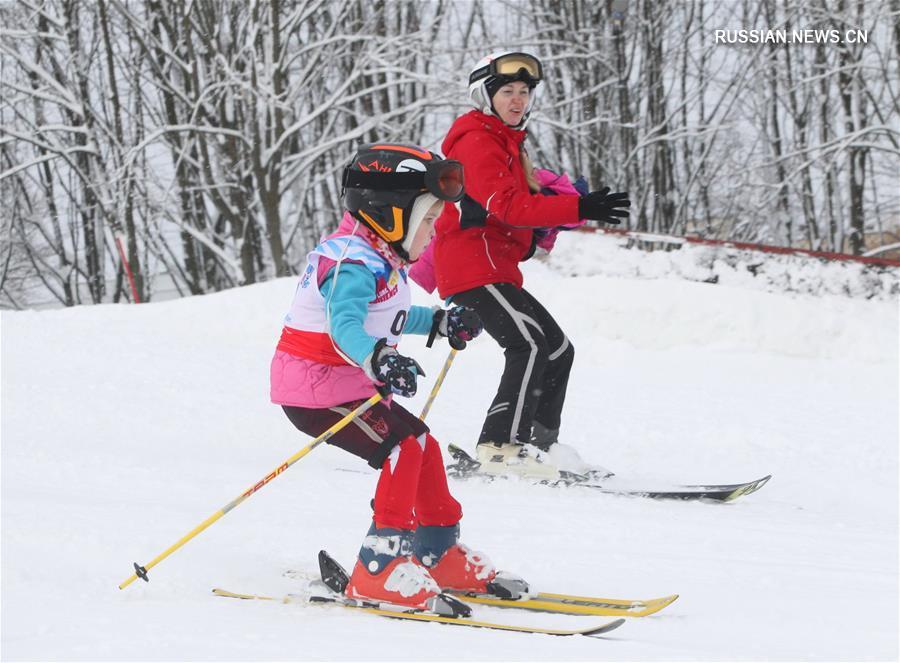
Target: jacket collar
498,126
350,226
477,121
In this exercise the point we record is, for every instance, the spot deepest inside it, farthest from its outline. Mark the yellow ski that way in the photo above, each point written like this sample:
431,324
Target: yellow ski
575,605
423,616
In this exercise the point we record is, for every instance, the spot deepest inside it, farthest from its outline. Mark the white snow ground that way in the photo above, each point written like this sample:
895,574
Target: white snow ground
123,427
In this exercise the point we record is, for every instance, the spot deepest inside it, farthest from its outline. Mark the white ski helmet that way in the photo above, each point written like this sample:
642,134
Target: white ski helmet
504,67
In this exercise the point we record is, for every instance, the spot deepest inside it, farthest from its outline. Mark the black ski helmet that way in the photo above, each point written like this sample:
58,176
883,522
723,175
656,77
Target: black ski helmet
384,180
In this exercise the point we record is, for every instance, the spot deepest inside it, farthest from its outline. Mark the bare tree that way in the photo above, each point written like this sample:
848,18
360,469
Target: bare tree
210,135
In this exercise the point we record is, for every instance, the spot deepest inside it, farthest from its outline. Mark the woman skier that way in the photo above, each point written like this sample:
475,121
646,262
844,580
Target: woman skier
477,251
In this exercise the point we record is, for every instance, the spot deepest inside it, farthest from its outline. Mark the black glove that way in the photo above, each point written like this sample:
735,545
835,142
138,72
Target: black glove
604,206
471,213
386,366
458,325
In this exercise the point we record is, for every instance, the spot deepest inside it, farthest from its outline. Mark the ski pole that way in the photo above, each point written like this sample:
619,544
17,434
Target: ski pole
141,571
438,383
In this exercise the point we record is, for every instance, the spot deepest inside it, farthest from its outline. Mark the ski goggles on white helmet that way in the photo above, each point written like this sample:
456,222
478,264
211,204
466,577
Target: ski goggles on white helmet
515,66
443,178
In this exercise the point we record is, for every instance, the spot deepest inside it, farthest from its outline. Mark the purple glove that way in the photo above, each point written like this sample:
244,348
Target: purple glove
458,325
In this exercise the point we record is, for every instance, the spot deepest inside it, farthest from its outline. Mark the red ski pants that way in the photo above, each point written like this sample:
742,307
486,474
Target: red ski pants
412,489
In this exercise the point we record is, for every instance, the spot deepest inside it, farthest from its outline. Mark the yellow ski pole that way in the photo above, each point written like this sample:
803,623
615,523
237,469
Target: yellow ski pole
141,571
438,383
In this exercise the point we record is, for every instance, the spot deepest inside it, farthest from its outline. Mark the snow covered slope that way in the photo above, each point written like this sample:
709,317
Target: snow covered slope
123,427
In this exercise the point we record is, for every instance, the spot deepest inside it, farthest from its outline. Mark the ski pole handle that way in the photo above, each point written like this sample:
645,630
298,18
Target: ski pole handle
141,571
438,383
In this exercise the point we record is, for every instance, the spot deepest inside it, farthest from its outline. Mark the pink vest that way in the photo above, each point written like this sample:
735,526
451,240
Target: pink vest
319,380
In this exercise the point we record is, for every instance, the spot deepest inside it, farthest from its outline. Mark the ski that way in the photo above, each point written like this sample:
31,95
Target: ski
335,579
393,612
567,604
725,493
467,467
574,605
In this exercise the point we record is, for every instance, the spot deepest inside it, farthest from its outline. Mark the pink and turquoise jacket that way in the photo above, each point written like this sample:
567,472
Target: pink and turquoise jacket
318,358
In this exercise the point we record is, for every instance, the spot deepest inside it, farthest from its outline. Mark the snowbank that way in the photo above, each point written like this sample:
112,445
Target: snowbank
630,295
611,255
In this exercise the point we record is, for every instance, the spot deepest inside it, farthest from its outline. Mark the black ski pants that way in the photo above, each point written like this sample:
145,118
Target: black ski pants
538,361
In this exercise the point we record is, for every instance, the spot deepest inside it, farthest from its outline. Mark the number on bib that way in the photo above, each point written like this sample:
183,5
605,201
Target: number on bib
399,323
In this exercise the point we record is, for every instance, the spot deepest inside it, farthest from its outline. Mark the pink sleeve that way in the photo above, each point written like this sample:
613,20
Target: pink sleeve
422,270
558,183
548,241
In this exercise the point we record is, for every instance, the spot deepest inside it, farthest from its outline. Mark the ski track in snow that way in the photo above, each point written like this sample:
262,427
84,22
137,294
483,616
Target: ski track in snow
123,427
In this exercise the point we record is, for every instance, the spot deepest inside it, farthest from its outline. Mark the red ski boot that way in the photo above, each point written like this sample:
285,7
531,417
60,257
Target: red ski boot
386,572
401,582
457,568
463,570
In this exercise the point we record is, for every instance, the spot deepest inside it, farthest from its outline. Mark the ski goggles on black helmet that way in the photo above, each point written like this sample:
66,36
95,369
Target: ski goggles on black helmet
511,66
443,178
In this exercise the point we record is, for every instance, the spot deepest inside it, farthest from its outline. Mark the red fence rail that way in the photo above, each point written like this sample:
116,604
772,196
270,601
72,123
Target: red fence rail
765,248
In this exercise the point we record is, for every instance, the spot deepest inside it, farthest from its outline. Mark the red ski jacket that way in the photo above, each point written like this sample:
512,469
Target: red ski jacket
468,257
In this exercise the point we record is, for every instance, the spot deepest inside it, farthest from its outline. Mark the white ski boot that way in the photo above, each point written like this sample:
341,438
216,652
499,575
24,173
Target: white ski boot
523,460
564,457
567,459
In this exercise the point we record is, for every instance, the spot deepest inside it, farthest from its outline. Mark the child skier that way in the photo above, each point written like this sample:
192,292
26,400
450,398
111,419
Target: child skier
340,340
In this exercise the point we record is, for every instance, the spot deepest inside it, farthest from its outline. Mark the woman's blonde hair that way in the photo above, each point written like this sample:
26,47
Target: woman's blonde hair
529,170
